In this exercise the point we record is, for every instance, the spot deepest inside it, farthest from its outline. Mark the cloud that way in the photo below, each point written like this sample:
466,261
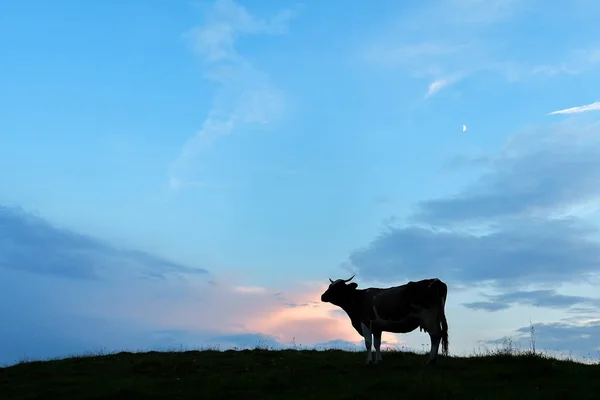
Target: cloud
523,232
215,39
460,37
32,244
295,305
542,171
536,298
519,223
64,293
250,289
487,306
439,38
245,97
580,339
579,109
437,85
536,250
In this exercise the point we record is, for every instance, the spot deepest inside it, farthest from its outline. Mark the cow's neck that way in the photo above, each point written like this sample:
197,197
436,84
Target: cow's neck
350,305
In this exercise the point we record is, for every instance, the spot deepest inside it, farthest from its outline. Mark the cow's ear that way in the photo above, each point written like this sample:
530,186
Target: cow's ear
353,285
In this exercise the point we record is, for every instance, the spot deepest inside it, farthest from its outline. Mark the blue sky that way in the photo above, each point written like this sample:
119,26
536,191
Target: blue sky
191,173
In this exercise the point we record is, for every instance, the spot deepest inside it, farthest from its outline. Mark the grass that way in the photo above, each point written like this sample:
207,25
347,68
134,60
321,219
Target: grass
300,374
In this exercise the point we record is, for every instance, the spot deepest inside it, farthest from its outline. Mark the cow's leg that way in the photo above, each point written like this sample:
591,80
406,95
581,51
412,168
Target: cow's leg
435,338
368,340
377,343
433,328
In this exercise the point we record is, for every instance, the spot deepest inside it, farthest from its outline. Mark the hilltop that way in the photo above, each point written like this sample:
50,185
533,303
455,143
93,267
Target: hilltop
298,374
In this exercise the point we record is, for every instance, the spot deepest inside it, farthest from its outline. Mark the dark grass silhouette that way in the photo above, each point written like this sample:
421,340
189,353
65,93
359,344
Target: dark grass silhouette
300,374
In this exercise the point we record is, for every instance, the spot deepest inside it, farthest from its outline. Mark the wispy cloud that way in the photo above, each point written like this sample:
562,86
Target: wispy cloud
245,97
460,37
215,40
435,86
438,85
438,38
250,289
579,109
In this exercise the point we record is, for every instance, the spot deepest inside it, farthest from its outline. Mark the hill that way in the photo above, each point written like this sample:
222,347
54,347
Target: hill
298,374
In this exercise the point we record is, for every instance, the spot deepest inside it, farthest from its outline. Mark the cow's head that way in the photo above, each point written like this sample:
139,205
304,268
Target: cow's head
338,290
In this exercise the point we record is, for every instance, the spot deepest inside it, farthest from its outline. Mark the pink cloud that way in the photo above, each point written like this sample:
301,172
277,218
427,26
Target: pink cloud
309,322
296,315
290,315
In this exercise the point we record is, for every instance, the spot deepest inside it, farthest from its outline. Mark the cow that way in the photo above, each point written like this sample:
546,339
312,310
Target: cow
397,309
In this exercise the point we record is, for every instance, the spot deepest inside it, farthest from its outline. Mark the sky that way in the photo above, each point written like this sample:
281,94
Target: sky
189,174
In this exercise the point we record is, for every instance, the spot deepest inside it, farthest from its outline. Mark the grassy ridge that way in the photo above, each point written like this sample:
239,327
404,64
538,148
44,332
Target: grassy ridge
304,374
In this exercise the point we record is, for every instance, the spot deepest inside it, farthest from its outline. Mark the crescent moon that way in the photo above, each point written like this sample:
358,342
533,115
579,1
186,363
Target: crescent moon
464,128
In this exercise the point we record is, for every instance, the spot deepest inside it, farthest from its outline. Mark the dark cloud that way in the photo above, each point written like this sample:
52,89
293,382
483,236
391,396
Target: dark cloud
519,187
530,251
29,243
583,310
537,298
581,340
45,315
508,228
538,172
486,305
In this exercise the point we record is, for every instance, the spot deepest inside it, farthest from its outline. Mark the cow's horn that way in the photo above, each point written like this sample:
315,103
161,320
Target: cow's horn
349,279
330,280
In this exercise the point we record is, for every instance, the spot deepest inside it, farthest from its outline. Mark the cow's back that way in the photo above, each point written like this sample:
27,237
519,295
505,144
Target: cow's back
424,293
397,302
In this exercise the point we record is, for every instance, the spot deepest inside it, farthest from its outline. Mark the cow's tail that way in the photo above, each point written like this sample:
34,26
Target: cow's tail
444,322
